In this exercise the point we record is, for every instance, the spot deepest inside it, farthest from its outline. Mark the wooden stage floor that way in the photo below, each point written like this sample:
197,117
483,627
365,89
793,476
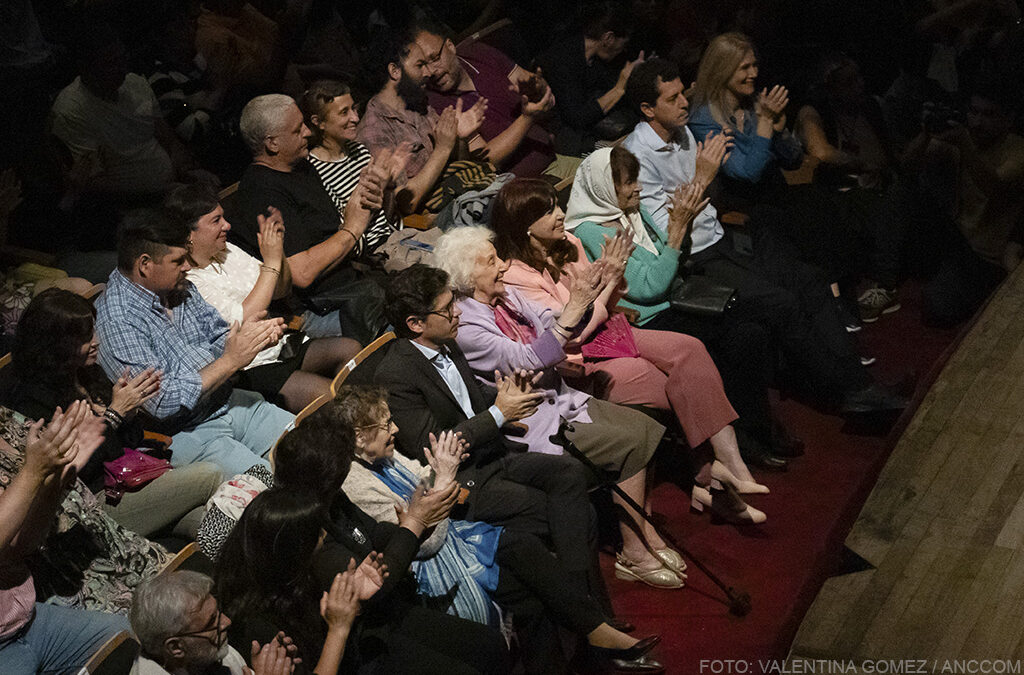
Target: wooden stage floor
943,529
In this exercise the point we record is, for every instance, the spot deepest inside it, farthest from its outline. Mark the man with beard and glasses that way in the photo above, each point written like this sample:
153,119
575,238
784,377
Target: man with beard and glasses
398,114
518,101
151,316
182,630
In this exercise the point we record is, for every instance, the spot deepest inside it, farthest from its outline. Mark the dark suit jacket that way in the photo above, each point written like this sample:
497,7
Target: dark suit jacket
421,403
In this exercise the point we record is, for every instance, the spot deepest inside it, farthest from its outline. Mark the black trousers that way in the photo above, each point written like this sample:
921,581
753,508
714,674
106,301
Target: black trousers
792,301
546,496
427,641
542,596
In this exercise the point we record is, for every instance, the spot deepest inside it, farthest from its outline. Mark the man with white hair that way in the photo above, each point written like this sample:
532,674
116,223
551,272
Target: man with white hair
318,240
182,630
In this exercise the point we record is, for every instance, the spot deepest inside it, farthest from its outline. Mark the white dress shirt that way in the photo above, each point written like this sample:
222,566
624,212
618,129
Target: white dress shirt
453,378
664,166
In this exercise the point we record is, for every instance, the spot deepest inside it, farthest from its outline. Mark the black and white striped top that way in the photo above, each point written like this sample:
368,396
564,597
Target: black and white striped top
340,178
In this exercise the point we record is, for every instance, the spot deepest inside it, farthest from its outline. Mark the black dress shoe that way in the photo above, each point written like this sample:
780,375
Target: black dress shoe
621,625
631,660
784,444
765,460
873,398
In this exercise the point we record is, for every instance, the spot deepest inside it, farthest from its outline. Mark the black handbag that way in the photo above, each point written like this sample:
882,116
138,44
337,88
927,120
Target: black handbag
695,294
359,299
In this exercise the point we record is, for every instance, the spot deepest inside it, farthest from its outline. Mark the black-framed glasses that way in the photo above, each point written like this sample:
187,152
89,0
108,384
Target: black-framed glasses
448,313
214,625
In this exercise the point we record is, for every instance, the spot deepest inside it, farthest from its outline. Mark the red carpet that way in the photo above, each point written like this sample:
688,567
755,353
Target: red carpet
811,508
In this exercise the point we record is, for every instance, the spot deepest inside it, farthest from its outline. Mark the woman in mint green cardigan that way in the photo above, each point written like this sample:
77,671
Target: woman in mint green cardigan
605,199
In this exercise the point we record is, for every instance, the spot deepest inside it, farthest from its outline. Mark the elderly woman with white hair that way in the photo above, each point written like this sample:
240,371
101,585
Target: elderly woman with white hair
499,330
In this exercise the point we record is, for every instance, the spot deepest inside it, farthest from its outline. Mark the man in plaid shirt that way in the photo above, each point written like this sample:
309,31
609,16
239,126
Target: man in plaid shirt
152,316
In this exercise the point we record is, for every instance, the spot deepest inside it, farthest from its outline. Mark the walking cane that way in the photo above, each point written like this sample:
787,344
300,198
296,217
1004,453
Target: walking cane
739,600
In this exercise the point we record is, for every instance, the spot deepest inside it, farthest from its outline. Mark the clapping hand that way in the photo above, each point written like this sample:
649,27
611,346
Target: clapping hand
65,445
468,121
711,154
131,392
277,657
247,340
615,252
516,398
369,576
446,452
270,237
687,201
446,128
584,286
627,69
772,105
340,605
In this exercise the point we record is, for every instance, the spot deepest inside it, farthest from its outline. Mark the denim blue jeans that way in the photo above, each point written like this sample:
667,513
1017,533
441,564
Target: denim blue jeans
58,640
236,440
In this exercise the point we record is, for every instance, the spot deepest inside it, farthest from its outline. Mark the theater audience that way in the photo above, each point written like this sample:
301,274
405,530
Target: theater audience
665,370
54,364
278,561
432,389
181,628
588,87
151,316
37,637
968,201
88,560
339,158
295,370
497,328
398,114
803,217
471,560
513,132
318,242
789,299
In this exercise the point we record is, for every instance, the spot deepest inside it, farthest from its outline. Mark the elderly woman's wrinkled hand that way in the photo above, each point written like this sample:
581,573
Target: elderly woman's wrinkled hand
615,254
687,201
445,454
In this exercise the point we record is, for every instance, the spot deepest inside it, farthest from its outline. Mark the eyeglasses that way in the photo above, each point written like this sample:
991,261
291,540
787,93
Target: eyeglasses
435,59
383,426
214,624
448,313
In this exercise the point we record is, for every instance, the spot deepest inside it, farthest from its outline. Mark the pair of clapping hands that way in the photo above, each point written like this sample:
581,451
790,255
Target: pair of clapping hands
60,449
247,339
339,607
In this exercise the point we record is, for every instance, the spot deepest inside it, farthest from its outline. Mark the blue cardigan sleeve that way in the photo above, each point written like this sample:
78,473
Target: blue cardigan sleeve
751,155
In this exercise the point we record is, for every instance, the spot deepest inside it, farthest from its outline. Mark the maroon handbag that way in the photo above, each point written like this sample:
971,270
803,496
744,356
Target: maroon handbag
130,472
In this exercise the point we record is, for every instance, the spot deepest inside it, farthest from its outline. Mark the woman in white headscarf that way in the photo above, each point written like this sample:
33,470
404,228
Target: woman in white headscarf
605,200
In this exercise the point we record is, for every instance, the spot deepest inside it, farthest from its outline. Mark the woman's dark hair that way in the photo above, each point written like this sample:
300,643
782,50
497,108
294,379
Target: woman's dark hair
191,202
413,292
48,342
316,455
314,101
266,566
520,203
625,165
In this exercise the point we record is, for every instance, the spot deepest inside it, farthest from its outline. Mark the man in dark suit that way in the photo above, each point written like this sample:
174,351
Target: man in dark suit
431,389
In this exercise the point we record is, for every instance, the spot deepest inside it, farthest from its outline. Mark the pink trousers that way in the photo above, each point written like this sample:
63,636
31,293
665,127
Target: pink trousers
673,372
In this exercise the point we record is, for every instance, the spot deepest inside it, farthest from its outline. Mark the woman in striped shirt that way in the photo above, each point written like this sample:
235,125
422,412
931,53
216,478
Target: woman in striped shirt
338,158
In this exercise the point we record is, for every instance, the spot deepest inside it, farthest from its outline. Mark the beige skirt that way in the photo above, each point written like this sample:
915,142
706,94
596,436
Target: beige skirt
619,440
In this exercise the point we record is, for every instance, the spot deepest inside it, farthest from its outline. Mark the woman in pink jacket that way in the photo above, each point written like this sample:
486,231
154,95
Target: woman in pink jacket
667,370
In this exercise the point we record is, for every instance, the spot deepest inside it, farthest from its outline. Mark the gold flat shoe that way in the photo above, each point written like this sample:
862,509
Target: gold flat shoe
662,577
672,560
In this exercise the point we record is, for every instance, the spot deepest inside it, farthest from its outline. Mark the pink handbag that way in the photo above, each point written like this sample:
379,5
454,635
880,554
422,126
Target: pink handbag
130,472
613,340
